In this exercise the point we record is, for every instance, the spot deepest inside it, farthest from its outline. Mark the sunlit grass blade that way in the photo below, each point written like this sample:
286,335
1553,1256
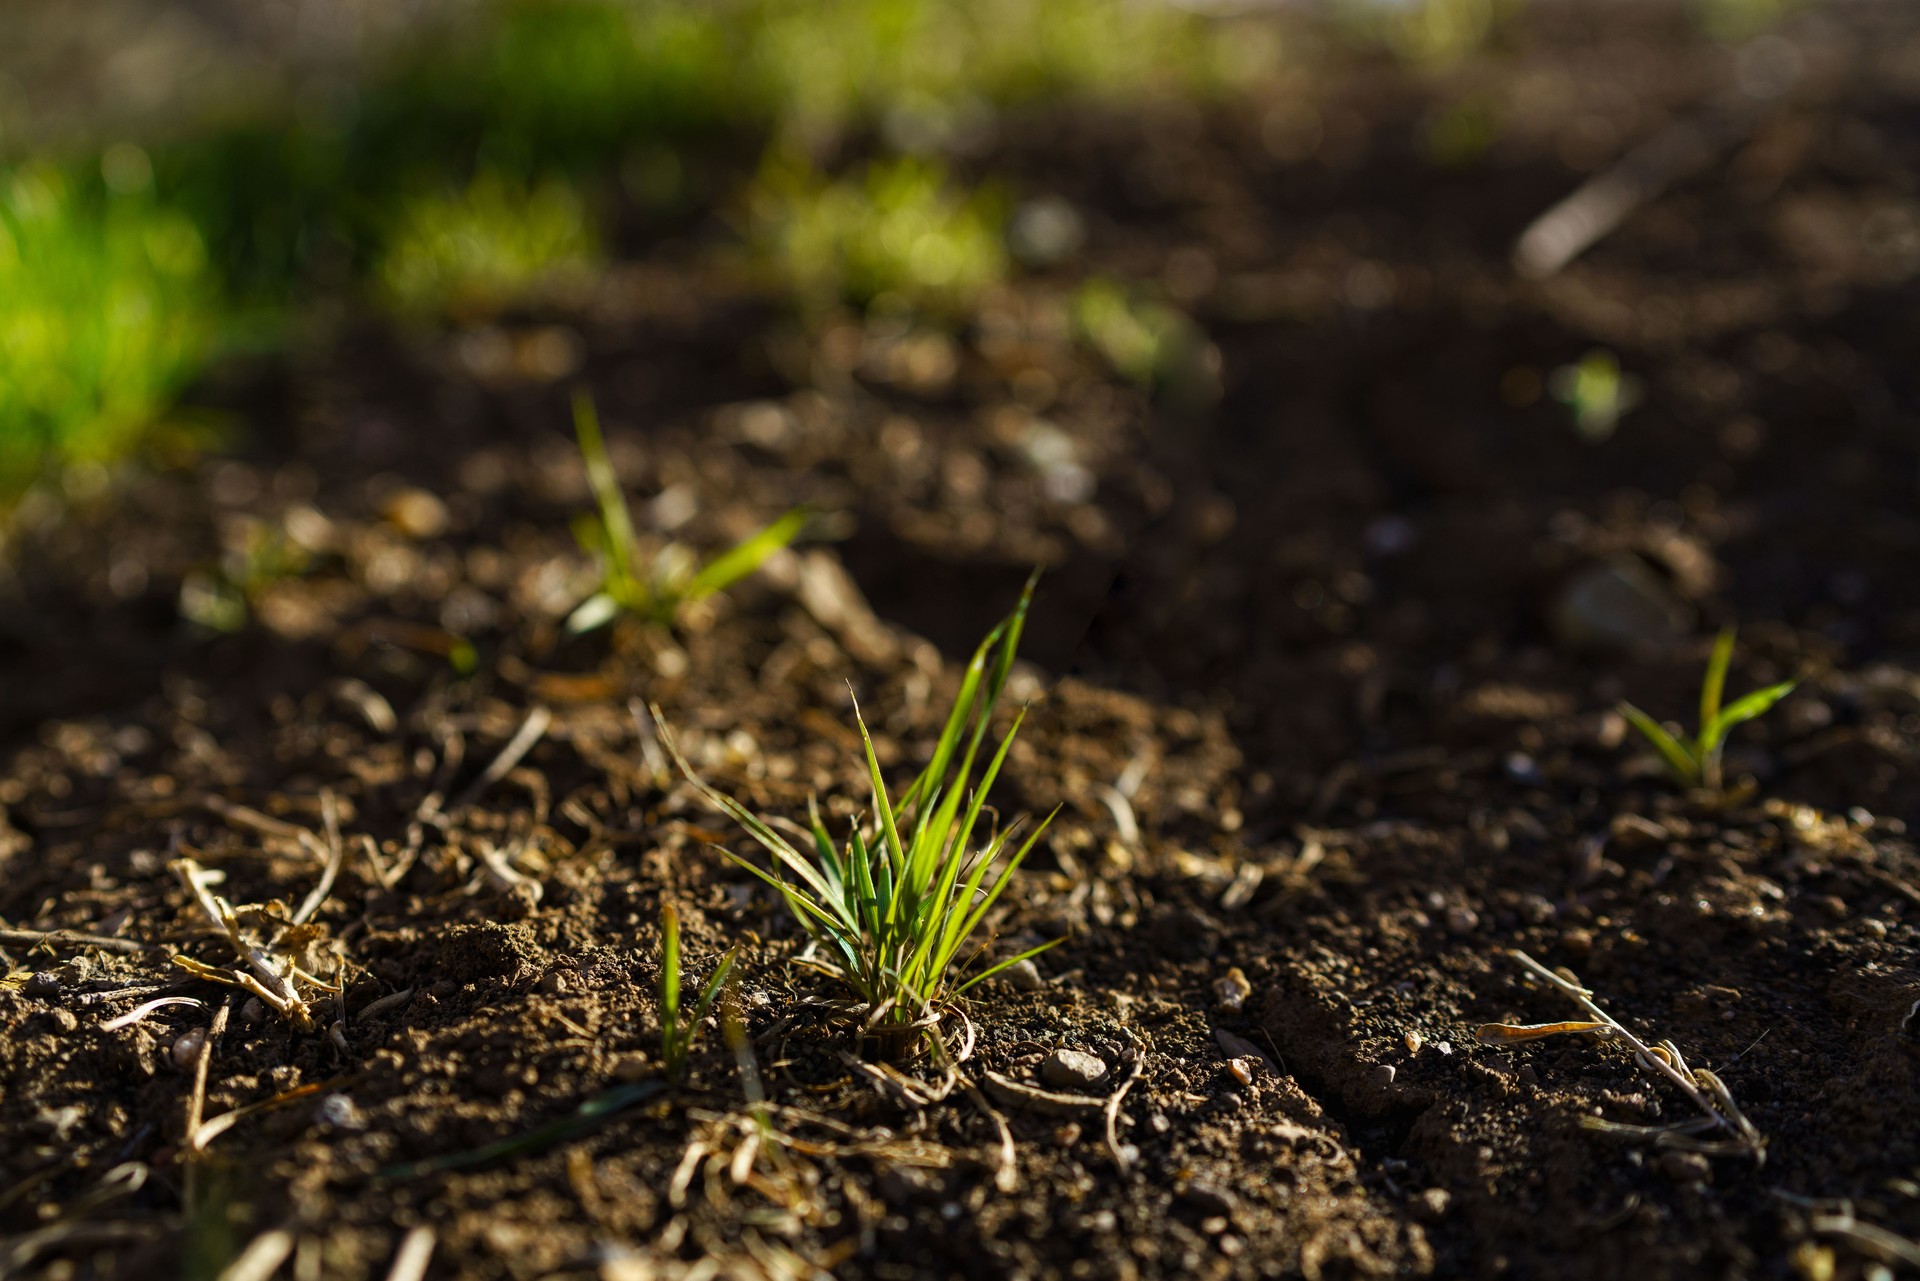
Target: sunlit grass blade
1679,760
615,520
1002,966
669,967
745,556
1747,707
1714,686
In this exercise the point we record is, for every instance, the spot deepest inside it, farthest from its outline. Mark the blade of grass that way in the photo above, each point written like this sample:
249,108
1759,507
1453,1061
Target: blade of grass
1680,761
1715,684
1007,964
745,556
615,519
1749,706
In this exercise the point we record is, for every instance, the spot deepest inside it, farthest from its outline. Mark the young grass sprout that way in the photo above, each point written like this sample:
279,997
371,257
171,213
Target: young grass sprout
676,1033
1695,762
892,911
653,588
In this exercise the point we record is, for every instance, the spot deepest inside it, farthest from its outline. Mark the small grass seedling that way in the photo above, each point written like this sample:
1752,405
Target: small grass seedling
653,588
1695,762
676,1033
893,910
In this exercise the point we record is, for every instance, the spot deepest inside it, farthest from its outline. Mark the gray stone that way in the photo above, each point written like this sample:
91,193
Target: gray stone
1620,604
1024,976
1072,1069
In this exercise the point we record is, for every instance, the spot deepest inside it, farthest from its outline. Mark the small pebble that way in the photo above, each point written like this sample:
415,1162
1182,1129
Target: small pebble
1072,1069
1686,1167
1025,976
1231,990
187,1048
339,1112
44,985
1462,919
1414,1040
416,513
1433,1204
1383,1075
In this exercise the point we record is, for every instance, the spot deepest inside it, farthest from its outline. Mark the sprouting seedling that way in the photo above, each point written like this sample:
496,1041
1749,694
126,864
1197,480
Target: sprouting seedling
631,582
1695,762
676,1034
892,911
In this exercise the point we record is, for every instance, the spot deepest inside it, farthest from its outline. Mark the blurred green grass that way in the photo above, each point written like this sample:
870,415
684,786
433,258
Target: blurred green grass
110,308
464,172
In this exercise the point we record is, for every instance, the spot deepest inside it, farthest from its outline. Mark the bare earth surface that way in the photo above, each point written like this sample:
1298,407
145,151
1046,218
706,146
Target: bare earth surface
1320,673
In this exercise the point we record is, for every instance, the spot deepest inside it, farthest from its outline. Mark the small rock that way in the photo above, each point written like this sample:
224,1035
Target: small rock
1686,1167
1523,769
1072,1069
1045,230
1462,919
338,1112
1619,605
1383,1075
1432,1205
63,1020
1231,990
1025,976
44,985
631,1067
416,513
187,1048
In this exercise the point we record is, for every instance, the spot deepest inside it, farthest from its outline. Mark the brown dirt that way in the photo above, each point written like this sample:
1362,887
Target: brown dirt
1312,626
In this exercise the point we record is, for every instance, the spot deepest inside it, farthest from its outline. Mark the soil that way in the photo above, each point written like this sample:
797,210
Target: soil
1317,676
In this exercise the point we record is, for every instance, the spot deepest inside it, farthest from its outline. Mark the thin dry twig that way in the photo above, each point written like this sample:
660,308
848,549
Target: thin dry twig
71,938
411,1259
264,825
262,1257
1014,1094
139,1012
1707,1091
530,732
270,979
336,855
197,1097
1006,1173
1123,1156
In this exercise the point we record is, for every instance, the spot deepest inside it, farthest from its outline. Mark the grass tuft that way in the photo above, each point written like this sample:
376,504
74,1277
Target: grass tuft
653,588
894,910
676,1033
472,251
107,309
1695,761
896,232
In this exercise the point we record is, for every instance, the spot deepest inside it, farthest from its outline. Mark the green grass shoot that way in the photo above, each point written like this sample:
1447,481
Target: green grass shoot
894,910
677,1033
1695,761
653,587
